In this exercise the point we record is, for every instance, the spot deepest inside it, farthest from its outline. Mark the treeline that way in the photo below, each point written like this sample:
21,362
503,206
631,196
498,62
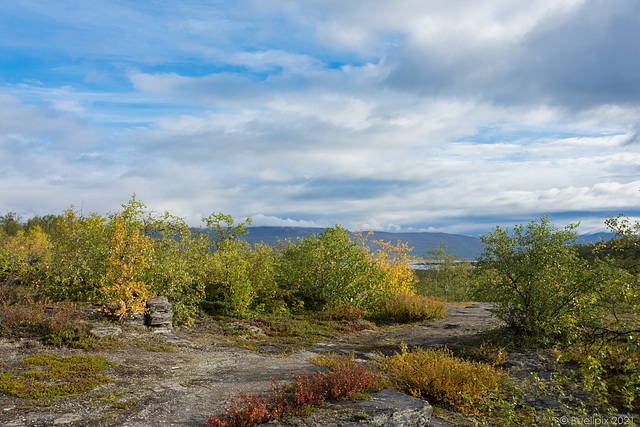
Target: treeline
119,260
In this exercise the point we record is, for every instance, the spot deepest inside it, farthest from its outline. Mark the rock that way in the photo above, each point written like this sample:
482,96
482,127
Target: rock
387,408
134,319
179,340
160,312
104,330
391,408
251,329
67,419
269,349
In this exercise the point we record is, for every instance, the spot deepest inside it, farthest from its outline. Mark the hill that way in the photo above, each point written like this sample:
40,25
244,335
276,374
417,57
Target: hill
464,246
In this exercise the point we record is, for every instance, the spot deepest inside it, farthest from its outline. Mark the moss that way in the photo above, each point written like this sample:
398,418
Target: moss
46,375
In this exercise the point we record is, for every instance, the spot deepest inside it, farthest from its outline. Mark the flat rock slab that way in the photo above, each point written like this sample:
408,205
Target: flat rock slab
387,408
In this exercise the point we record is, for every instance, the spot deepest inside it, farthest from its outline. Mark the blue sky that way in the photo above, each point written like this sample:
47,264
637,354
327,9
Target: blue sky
409,115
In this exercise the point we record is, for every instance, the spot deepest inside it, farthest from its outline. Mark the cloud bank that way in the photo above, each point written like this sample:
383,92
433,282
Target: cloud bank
405,116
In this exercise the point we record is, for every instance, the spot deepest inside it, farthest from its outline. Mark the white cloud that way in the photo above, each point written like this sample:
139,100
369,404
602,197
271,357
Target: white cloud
444,115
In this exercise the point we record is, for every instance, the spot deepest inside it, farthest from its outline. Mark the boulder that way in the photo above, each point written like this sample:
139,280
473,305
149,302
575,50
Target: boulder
391,408
159,312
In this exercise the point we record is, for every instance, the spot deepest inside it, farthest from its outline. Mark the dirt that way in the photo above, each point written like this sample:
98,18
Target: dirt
182,388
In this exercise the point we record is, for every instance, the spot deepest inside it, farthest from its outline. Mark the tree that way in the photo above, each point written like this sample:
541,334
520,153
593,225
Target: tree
447,276
10,223
535,276
221,226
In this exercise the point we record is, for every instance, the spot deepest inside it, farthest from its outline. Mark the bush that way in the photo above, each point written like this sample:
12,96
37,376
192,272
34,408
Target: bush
535,276
77,264
227,280
395,261
329,268
411,308
447,276
56,324
435,374
269,297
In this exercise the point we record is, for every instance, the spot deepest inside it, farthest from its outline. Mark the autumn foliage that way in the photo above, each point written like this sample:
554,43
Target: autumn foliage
343,380
119,260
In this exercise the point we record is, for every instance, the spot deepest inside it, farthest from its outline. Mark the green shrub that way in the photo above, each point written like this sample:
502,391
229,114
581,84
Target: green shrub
447,276
535,276
262,264
228,286
56,324
329,268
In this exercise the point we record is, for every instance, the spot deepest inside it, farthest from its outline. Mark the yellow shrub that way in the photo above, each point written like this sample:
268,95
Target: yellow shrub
19,253
437,374
394,260
128,261
413,308
490,354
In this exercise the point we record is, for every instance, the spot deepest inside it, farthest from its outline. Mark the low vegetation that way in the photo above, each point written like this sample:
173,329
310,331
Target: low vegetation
345,380
579,302
438,376
46,375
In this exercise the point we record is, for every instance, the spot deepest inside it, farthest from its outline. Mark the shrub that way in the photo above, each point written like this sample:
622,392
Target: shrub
262,265
56,324
411,308
343,312
436,374
535,276
447,276
77,265
227,280
22,255
128,261
395,261
329,268
345,380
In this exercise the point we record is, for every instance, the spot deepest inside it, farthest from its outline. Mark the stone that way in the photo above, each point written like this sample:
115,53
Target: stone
160,312
387,408
391,408
104,330
67,419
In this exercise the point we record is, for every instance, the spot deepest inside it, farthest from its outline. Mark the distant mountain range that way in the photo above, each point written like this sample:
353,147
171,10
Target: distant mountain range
465,246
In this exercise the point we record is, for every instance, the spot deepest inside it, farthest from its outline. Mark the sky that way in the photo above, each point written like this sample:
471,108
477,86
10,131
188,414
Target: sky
407,115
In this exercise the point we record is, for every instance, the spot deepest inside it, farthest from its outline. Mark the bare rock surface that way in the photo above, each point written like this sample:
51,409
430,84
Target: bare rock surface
386,408
182,388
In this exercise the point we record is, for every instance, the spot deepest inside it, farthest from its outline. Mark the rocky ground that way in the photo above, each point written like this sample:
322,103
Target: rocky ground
182,388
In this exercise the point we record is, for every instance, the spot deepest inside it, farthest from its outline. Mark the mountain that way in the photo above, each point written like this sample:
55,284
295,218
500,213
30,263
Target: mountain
464,246
595,237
